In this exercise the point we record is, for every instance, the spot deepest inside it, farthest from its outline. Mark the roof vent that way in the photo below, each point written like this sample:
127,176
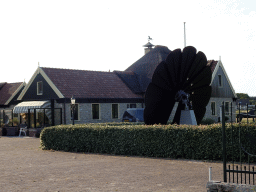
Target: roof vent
149,46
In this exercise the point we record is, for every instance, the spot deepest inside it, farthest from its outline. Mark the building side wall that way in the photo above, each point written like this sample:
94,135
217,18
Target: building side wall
85,112
218,104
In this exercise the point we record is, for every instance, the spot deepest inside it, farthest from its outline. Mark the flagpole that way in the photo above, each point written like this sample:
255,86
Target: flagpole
184,35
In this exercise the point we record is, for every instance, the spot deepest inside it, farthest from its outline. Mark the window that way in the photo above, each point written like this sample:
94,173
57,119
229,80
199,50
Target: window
114,111
213,108
226,108
219,81
132,105
95,111
40,88
75,112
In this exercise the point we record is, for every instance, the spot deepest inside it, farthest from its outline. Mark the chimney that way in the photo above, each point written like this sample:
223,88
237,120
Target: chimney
149,46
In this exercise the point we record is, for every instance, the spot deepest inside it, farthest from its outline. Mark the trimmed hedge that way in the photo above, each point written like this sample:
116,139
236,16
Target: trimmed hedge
173,141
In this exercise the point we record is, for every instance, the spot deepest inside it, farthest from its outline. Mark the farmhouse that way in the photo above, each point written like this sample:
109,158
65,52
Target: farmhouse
9,93
100,96
222,91
104,96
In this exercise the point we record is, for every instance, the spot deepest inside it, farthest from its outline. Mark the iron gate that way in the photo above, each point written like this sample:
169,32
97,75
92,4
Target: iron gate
239,169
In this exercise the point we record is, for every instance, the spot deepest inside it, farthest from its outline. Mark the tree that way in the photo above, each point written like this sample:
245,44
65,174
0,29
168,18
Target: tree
243,96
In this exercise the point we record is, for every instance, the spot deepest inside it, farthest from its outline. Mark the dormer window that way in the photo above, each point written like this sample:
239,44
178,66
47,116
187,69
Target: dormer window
40,88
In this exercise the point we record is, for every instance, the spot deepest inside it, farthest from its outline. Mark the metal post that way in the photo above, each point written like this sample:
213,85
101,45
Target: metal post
28,118
3,117
240,135
239,107
61,116
52,110
210,173
12,117
224,145
184,35
73,112
232,140
34,118
247,115
44,117
231,113
64,112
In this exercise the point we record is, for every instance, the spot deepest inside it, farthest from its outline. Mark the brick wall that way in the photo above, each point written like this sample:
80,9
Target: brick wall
85,112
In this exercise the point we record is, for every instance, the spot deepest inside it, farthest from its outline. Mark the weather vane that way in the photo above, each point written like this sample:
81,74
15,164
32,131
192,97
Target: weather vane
149,38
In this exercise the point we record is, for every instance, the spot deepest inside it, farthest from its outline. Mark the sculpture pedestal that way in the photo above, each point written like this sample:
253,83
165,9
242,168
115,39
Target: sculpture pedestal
187,117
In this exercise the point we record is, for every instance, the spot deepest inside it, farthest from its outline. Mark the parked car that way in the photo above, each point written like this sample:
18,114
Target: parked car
251,114
133,115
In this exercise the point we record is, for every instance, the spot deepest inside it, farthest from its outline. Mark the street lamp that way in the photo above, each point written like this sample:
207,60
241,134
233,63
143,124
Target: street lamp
73,106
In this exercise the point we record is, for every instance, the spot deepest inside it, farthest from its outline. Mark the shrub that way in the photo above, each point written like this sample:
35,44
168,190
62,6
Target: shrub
173,141
207,121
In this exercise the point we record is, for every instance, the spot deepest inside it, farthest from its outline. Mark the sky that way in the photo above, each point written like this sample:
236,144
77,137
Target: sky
105,35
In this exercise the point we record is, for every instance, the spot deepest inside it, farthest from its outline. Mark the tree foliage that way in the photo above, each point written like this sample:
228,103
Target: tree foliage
243,96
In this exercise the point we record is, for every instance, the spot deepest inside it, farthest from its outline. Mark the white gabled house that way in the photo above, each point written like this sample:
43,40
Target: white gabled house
222,91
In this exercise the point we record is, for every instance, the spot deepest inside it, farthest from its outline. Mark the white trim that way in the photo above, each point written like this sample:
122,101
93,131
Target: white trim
99,111
118,115
47,79
15,93
219,64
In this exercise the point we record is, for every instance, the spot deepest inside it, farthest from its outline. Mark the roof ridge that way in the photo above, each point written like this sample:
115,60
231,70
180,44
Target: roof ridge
73,69
15,83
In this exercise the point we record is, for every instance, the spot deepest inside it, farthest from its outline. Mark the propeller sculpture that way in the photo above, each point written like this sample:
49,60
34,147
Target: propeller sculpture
183,77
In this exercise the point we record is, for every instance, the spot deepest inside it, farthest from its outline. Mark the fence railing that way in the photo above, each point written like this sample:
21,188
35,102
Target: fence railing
239,172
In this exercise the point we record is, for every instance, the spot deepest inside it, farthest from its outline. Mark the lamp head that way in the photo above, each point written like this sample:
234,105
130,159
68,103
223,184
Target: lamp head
73,100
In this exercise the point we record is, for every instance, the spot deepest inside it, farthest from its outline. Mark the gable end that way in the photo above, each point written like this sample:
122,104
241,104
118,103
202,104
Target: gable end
50,91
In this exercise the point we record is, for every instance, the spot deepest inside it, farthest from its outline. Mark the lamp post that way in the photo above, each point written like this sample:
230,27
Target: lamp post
73,106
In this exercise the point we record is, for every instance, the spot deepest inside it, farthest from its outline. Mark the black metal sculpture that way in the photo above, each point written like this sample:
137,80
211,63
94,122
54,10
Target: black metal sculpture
182,76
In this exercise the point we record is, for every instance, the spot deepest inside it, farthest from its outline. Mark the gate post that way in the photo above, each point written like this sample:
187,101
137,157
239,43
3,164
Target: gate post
224,144
28,118
12,117
3,117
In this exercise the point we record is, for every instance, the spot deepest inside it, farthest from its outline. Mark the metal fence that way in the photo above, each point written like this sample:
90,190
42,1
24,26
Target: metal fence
239,172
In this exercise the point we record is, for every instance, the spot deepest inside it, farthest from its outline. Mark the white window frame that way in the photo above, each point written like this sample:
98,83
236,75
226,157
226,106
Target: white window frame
117,110
39,93
99,111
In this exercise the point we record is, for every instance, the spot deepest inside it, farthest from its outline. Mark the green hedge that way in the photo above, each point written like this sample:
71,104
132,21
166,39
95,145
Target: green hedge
174,141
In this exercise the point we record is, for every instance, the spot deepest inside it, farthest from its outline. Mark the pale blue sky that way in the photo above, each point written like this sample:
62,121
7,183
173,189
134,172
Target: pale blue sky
108,35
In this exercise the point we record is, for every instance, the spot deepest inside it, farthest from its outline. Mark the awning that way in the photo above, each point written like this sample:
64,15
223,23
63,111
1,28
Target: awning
24,106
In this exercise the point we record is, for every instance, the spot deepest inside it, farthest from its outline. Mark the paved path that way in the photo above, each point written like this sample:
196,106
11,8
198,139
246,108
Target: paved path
25,167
